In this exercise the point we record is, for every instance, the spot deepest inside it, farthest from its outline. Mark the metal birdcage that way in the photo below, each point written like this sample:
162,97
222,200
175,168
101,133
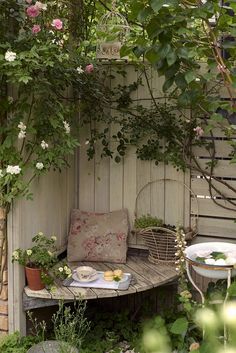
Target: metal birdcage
112,29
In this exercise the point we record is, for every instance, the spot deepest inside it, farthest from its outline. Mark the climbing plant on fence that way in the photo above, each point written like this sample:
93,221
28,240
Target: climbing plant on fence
46,78
191,44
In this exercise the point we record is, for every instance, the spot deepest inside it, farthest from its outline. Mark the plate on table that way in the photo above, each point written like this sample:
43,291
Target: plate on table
92,279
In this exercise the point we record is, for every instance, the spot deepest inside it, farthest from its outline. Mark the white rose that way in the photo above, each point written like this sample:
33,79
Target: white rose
10,99
44,145
66,126
41,6
39,166
10,56
54,237
29,252
40,233
60,269
21,135
13,169
68,271
21,126
15,254
79,70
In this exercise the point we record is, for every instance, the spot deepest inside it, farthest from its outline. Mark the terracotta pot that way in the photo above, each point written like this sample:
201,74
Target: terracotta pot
33,276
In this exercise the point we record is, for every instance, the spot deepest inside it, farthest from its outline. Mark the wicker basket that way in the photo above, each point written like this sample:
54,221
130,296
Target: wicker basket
160,241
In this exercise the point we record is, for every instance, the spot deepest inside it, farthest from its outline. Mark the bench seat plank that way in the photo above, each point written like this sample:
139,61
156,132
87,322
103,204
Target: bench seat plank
164,270
43,293
146,275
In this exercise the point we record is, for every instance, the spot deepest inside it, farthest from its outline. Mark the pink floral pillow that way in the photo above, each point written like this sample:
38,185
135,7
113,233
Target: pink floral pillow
98,236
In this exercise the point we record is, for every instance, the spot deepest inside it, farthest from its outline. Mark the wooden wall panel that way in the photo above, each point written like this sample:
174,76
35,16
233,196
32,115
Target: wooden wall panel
49,212
215,222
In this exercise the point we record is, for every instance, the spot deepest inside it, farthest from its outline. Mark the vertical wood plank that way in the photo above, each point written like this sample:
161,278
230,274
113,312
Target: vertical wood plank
130,166
102,181
174,196
86,176
143,170
116,169
158,190
157,194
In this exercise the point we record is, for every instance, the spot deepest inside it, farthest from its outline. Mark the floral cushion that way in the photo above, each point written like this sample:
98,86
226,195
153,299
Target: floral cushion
98,236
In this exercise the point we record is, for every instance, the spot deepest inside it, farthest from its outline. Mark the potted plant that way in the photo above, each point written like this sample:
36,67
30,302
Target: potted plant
37,260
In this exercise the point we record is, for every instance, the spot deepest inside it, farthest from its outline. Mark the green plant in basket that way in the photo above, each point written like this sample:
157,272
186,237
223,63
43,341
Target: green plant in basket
146,221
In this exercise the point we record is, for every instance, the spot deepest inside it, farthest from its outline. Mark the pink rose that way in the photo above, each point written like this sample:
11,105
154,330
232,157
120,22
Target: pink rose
89,68
36,29
199,131
33,11
57,23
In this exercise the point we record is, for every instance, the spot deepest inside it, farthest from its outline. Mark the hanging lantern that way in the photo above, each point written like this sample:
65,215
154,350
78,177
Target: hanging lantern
112,30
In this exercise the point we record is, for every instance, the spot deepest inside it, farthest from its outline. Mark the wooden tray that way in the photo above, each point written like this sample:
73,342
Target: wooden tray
100,283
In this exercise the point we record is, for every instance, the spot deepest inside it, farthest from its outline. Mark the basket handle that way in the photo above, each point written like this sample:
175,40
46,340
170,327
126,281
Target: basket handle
196,216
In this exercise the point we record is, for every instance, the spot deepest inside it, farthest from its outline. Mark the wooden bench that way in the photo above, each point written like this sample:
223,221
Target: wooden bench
145,276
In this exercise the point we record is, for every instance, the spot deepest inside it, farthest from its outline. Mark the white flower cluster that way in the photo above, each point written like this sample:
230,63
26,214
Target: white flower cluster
13,169
79,70
180,247
10,56
41,6
44,145
65,270
39,165
66,126
29,252
15,255
22,132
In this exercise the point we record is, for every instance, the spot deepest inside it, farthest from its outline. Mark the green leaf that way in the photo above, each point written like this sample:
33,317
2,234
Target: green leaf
157,4
163,50
152,55
117,159
180,81
144,14
180,326
171,58
168,83
217,117
189,76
